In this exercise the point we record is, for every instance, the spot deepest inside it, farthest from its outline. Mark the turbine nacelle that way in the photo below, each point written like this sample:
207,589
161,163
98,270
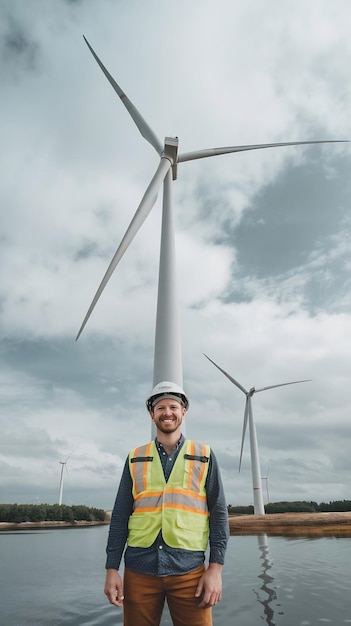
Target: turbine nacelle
170,152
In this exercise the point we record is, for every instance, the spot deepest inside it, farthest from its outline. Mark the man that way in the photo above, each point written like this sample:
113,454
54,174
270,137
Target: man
169,505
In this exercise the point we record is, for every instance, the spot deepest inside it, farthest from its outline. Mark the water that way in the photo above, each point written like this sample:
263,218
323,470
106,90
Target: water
56,577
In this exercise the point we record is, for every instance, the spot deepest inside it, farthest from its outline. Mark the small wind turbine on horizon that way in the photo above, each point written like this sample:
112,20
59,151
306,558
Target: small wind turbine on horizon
167,351
248,417
63,466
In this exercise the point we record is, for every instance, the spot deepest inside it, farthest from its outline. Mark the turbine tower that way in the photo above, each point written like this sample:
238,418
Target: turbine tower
63,466
248,417
167,351
266,479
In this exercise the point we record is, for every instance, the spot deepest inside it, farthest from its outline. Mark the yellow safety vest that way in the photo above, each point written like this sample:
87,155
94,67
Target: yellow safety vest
178,507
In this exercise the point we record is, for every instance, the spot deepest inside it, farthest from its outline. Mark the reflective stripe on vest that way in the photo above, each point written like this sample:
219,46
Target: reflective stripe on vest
140,468
179,506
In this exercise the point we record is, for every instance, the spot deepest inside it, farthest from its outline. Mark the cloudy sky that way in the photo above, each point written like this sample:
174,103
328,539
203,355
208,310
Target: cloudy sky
262,238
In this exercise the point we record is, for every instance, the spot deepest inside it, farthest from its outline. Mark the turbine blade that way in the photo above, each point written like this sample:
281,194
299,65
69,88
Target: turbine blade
68,474
70,454
142,125
143,210
294,382
202,154
246,414
227,375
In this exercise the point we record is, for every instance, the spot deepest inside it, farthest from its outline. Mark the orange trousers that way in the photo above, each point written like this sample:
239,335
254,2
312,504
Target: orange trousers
144,598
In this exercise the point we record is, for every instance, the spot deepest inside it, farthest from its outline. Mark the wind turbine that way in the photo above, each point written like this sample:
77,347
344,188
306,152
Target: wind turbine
167,351
248,416
63,466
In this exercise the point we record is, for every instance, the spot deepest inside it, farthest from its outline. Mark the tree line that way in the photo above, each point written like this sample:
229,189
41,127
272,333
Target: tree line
17,513
302,506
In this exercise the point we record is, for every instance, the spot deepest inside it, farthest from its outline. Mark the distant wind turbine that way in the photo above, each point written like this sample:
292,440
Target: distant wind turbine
248,416
167,354
63,466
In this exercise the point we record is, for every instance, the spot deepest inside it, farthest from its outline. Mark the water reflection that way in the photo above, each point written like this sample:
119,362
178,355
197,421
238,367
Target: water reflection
268,596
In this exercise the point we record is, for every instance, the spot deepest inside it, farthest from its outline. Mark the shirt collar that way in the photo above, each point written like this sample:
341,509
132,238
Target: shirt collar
180,441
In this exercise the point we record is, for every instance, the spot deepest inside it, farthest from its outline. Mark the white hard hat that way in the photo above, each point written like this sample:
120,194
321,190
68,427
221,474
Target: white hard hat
166,389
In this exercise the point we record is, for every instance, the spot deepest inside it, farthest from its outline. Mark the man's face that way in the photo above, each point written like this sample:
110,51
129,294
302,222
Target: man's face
168,415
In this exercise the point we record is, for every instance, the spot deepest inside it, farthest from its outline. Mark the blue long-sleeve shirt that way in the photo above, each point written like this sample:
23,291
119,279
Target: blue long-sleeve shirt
160,559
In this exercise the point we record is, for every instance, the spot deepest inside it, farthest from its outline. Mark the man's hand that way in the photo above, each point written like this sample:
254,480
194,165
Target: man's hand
114,587
210,586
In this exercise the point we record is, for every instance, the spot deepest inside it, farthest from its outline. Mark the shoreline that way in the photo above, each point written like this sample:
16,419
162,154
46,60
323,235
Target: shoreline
274,524
49,525
292,524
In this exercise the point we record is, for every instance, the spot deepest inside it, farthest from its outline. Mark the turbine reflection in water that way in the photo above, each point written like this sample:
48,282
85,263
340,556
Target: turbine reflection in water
267,583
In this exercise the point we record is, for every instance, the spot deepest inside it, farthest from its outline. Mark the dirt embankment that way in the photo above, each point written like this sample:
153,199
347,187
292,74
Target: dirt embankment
311,524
